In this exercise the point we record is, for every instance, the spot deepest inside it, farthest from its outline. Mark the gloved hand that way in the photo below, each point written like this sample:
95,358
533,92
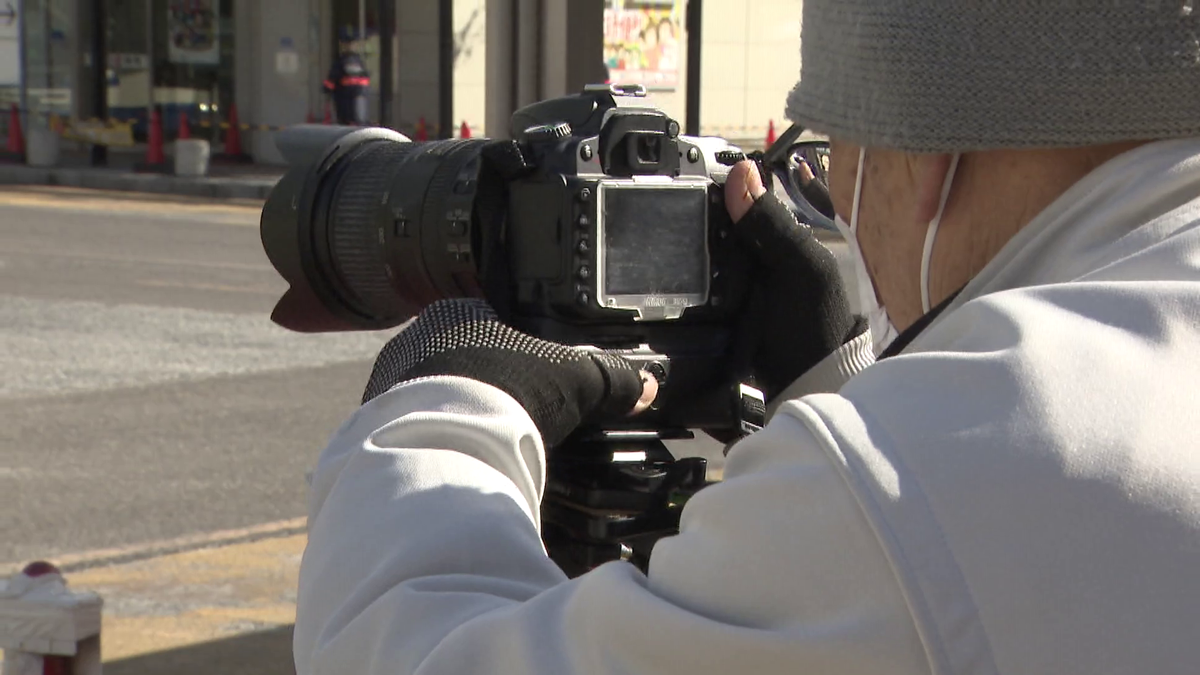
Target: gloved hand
560,387
798,312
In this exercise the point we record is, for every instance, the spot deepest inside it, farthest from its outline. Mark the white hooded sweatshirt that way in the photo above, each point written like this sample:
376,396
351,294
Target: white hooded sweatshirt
1018,492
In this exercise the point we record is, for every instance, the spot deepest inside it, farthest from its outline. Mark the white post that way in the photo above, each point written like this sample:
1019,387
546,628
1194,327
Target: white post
47,628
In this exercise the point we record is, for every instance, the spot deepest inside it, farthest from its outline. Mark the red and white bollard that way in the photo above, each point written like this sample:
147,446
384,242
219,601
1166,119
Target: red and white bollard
45,628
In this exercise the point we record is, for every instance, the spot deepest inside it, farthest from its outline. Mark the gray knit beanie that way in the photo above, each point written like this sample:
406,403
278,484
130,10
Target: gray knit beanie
958,75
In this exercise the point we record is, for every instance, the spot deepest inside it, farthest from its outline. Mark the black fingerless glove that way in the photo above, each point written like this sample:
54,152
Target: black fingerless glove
798,312
560,387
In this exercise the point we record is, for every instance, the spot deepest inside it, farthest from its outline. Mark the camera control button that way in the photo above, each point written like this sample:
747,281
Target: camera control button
584,298
585,272
658,371
730,157
458,228
583,246
584,221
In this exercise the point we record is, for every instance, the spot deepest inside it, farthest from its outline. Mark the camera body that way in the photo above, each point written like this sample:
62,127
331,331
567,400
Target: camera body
616,235
621,221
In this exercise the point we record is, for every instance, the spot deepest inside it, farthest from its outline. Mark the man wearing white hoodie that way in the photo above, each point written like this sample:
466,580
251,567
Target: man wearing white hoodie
1013,487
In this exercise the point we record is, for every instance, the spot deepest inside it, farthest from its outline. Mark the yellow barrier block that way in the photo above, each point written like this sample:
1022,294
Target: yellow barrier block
100,133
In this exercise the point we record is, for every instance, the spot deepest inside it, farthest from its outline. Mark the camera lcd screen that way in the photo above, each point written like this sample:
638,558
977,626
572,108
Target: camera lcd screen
655,241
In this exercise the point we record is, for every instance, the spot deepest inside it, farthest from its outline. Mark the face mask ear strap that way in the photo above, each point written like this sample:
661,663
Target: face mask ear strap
931,234
862,158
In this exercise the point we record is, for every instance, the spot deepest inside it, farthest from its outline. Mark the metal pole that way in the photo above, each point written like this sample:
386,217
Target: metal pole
100,79
500,27
446,68
48,40
22,46
387,32
695,12
150,65
527,51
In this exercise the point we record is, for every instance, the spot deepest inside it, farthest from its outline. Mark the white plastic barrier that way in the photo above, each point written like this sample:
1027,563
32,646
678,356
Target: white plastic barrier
41,147
45,628
191,157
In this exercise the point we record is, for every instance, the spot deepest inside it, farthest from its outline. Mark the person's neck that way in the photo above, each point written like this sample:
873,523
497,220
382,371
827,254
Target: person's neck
1002,191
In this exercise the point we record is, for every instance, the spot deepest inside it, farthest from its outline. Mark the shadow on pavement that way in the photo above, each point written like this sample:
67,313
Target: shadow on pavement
262,653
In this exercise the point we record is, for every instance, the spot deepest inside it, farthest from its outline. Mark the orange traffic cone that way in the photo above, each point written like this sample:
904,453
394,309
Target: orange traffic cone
154,143
185,131
15,150
233,140
156,159
422,133
770,133
464,131
233,137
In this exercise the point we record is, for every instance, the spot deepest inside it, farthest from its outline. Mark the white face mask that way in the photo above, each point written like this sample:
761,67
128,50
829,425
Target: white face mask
883,332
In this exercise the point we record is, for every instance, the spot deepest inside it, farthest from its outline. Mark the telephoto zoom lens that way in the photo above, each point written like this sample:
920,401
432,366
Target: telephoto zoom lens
368,227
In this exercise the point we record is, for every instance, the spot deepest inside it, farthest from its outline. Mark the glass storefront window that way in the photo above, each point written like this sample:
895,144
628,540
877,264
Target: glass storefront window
10,60
128,70
50,42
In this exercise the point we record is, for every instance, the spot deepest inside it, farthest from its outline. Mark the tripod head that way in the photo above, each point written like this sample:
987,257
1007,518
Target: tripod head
612,494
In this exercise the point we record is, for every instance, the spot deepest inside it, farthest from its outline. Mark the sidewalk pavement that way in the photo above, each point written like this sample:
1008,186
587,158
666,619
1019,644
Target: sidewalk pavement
213,607
225,181
217,610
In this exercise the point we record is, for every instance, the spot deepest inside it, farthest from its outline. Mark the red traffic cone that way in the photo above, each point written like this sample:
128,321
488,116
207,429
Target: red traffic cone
16,139
328,114
154,143
464,131
185,131
770,133
233,141
156,159
233,137
422,133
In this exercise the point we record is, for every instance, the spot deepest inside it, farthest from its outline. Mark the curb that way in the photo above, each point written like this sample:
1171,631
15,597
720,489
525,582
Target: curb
77,562
126,181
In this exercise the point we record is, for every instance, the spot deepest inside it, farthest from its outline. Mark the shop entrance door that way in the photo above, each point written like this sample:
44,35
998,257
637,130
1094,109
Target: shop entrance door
176,55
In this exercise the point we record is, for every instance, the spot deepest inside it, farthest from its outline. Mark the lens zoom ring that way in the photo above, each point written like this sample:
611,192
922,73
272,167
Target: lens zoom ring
354,235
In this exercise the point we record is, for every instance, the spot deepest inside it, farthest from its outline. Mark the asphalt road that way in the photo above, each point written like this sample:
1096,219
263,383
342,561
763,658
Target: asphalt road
145,393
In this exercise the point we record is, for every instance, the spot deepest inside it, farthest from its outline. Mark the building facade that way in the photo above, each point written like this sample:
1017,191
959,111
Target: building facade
443,62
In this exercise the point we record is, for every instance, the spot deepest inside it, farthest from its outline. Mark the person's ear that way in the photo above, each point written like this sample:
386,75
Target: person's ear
929,172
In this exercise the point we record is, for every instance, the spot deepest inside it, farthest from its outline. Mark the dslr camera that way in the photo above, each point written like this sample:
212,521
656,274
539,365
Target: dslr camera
597,225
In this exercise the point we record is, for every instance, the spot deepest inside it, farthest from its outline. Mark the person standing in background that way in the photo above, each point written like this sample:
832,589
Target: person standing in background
348,82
